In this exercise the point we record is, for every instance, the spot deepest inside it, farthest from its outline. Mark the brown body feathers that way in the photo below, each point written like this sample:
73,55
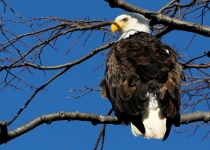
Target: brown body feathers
139,65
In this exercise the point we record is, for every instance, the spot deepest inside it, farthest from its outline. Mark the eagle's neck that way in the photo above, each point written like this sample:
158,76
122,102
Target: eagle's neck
126,33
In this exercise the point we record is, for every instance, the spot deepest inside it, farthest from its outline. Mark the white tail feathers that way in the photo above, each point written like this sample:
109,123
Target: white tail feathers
153,119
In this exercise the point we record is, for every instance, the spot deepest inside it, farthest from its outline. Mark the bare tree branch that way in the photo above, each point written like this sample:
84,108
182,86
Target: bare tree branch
70,64
93,118
207,65
195,117
175,24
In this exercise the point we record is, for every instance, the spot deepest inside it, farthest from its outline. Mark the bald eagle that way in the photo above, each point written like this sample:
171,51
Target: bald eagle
142,79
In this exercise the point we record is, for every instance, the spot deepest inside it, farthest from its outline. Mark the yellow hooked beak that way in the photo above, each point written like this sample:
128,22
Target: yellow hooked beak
115,26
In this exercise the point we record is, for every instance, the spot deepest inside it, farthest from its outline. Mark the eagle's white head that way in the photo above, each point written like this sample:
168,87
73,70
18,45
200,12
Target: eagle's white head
129,24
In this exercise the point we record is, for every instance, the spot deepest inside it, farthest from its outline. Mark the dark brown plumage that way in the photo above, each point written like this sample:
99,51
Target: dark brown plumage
138,65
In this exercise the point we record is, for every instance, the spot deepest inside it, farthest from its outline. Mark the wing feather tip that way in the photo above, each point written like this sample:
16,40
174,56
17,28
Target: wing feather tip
103,91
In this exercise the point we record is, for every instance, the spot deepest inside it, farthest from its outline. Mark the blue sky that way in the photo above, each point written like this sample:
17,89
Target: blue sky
79,135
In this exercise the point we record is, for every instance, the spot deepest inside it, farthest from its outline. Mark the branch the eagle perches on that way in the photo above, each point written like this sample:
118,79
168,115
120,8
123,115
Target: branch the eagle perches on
95,119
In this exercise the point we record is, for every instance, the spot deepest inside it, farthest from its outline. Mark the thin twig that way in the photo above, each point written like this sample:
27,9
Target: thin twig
102,132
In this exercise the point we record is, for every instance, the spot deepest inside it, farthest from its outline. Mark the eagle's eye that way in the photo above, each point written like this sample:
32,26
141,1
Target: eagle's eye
125,19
